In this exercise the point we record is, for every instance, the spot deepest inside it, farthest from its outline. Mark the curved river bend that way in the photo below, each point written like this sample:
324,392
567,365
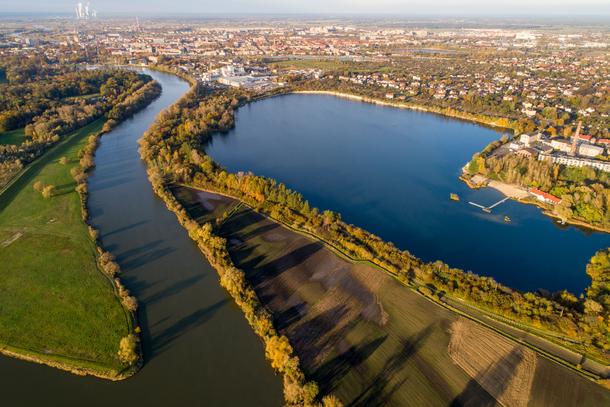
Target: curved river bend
391,171
198,347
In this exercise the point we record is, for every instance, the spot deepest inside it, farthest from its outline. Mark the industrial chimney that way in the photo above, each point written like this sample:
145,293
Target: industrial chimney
575,137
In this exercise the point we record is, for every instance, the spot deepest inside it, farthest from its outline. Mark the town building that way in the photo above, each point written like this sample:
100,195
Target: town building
589,150
572,161
529,139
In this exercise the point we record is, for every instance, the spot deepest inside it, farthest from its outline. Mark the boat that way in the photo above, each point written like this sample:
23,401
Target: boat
454,197
506,219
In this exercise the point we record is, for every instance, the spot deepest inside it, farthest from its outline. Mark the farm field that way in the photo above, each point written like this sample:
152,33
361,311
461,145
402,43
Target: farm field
371,341
56,304
13,137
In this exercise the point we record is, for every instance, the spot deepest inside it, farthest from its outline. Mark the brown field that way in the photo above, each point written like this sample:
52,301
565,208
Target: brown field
371,341
503,369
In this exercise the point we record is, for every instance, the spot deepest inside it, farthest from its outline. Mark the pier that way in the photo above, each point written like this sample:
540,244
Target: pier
489,208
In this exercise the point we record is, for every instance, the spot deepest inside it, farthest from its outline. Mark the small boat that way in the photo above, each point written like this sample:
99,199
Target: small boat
506,219
454,197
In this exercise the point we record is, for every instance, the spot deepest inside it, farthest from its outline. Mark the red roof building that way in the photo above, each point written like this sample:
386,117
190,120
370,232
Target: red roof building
544,196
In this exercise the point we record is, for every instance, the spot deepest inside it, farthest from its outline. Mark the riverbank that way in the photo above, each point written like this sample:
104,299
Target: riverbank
60,316
404,105
520,194
113,357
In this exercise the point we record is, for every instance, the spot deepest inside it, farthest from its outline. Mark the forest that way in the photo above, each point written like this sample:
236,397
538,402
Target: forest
175,151
50,103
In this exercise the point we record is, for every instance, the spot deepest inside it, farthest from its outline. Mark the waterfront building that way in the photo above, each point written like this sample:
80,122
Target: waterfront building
544,196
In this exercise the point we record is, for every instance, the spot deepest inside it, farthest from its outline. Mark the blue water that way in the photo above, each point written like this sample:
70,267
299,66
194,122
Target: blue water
391,171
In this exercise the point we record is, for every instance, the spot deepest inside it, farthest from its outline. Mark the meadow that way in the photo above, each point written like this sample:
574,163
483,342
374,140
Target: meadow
57,306
13,137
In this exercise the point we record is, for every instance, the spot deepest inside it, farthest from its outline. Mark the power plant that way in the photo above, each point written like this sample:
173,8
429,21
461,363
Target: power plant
84,12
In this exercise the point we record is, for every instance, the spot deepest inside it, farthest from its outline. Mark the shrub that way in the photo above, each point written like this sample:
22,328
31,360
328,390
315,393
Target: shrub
127,349
39,186
48,191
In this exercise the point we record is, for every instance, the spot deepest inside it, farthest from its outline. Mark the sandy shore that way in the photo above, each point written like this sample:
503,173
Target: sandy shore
511,191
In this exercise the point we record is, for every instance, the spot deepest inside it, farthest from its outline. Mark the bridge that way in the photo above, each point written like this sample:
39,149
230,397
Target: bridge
489,208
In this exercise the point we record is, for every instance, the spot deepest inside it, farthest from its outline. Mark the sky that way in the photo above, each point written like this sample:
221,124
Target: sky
404,7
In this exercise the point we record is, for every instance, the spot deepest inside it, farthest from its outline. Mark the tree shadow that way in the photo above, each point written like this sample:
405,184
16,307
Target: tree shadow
160,342
138,250
380,391
474,395
146,258
173,289
259,273
330,373
290,316
236,225
258,231
125,228
318,335
142,255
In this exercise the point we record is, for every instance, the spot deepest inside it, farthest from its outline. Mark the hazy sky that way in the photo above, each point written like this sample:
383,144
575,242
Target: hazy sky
444,7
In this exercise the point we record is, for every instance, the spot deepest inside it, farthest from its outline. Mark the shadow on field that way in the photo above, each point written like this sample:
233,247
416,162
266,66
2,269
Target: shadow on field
474,395
381,390
330,373
258,271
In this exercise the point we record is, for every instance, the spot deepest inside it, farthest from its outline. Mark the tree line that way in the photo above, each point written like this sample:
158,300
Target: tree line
298,391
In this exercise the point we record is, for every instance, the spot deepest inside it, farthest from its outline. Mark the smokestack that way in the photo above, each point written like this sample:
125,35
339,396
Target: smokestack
575,137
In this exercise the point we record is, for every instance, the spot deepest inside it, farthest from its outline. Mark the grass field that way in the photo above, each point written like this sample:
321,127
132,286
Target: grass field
13,137
371,341
54,302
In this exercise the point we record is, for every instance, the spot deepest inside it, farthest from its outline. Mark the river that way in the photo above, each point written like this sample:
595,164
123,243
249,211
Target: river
198,347
391,171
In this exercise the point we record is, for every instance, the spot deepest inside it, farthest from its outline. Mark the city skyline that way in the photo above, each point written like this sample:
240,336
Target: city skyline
418,7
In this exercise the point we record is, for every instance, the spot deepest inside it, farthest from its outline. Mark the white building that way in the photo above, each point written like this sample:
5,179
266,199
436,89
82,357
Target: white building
575,161
561,145
589,150
529,139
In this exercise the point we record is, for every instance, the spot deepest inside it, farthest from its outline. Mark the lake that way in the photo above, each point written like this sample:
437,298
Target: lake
391,171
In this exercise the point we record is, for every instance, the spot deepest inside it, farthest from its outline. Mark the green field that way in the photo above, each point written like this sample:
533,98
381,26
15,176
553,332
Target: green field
54,301
13,137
